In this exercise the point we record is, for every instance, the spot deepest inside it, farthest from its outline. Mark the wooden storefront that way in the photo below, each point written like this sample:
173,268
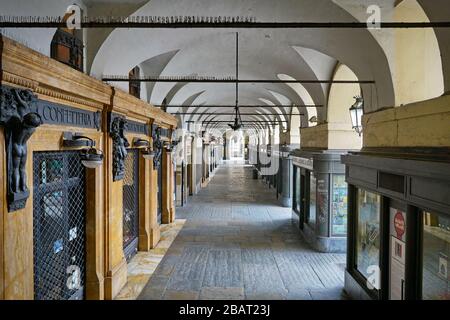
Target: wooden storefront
46,106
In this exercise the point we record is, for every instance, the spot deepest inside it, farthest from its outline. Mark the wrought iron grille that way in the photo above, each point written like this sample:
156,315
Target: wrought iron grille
59,225
131,203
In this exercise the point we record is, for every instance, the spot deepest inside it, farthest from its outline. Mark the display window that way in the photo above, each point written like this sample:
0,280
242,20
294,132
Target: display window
368,236
338,205
435,256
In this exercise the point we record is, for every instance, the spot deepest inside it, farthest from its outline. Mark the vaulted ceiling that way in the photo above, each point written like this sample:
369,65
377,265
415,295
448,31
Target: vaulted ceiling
283,54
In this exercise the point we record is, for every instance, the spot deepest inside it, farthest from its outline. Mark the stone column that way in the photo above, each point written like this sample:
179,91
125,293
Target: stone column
172,189
167,196
115,262
286,178
193,168
179,180
149,232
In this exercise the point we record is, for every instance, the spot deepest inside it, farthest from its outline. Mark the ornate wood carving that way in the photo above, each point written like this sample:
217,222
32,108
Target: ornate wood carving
20,122
157,146
117,126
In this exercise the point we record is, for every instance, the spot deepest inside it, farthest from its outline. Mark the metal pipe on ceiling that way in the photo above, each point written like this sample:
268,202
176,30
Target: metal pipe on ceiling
110,78
247,106
228,114
167,24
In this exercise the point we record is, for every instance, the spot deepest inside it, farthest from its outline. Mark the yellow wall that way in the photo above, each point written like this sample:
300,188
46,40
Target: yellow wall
416,61
421,124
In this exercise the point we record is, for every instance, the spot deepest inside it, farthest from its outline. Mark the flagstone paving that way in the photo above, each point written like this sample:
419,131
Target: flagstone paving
143,264
238,243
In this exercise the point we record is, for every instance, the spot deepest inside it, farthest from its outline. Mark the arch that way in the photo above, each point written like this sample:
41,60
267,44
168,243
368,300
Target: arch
340,99
417,68
304,95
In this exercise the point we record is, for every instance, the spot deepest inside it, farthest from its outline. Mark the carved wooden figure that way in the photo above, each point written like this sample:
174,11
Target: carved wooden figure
20,123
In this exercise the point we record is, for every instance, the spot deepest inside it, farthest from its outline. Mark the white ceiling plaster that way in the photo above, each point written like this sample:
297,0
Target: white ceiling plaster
304,95
322,65
264,52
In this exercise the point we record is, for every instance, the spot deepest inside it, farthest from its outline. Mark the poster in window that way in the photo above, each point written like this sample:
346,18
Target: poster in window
398,223
322,204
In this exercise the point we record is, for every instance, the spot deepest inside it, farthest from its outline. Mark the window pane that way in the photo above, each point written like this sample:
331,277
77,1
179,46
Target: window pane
436,252
368,235
339,206
312,199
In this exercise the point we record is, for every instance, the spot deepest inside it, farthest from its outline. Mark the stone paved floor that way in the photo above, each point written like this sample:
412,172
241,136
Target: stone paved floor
143,264
238,243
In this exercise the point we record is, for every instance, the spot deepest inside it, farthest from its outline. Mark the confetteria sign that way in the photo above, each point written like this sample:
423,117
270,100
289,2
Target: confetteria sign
53,113
137,127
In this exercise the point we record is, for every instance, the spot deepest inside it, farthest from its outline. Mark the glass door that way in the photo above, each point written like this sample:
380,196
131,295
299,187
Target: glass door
397,250
435,256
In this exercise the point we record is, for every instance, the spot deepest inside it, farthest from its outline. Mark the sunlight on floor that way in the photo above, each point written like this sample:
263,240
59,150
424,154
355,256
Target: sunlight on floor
143,264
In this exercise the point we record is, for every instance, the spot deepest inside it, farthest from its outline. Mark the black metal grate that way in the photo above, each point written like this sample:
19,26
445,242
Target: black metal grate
59,223
131,203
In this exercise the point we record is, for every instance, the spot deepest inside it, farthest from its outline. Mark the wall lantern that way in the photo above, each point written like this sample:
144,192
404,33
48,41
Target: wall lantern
168,146
147,153
356,112
140,143
90,156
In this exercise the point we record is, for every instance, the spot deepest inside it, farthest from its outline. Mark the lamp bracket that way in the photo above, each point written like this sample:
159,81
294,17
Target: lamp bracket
76,140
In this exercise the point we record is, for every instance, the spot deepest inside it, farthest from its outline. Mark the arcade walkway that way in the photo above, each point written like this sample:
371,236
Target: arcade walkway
237,243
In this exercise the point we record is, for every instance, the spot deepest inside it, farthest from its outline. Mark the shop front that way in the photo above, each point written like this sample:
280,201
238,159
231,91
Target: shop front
79,184
319,204
399,223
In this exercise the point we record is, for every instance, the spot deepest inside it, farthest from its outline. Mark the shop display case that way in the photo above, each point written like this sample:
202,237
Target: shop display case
320,198
399,225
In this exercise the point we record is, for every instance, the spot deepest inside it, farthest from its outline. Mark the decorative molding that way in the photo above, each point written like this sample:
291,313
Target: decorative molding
20,121
11,78
117,126
67,97
34,85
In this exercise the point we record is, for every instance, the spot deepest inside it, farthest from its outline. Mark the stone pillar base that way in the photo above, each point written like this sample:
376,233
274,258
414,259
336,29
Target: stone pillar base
95,290
286,202
155,236
115,280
